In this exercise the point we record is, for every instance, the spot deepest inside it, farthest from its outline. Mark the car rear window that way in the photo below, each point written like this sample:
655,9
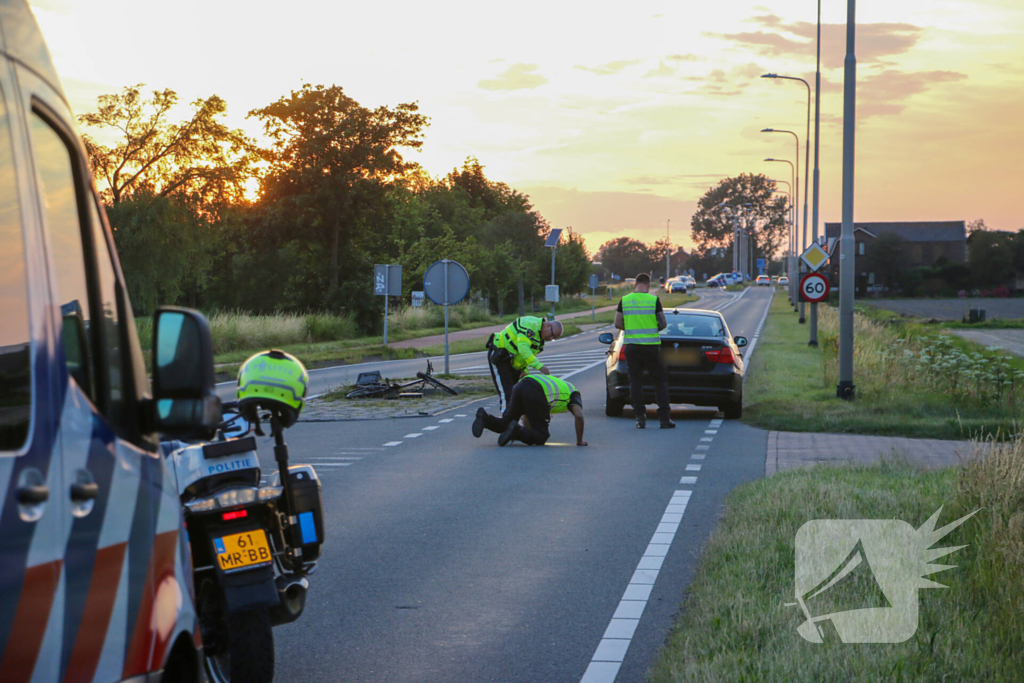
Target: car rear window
15,356
683,325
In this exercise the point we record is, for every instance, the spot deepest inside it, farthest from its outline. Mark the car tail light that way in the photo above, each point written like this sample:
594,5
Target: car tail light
237,514
622,353
722,355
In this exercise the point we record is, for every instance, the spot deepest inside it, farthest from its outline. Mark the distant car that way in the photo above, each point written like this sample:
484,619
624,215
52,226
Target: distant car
764,281
677,287
629,281
702,359
783,280
716,282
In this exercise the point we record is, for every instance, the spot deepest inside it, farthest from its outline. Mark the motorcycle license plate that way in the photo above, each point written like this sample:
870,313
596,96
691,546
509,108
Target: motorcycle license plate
242,551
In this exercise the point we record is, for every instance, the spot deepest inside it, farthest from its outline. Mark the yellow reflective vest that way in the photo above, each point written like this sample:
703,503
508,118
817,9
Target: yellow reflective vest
556,390
639,318
522,339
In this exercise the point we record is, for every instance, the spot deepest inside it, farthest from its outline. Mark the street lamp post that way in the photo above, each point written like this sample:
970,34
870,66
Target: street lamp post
789,263
789,201
731,212
817,138
807,151
668,251
796,188
846,388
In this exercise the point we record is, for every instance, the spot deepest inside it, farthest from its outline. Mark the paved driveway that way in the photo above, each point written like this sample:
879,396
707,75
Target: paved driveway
1011,341
952,309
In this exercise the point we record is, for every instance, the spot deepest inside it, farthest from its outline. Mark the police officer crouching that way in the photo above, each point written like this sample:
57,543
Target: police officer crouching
514,350
534,398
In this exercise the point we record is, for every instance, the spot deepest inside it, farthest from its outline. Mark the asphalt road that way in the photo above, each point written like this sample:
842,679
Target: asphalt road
450,559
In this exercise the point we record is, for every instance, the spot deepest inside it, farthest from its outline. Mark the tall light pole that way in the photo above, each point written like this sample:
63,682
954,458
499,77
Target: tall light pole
817,138
789,199
807,152
668,251
796,188
846,388
789,263
731,212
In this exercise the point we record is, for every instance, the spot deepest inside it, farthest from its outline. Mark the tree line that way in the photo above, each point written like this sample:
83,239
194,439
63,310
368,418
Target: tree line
205,216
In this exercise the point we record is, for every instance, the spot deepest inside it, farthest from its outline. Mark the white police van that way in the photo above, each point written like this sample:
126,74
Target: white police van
95,570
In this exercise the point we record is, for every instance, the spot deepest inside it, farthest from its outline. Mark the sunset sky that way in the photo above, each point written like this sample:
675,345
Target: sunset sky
612,117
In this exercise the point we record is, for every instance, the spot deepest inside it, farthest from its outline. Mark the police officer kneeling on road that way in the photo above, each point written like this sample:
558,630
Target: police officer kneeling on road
534,398
640,317
514,350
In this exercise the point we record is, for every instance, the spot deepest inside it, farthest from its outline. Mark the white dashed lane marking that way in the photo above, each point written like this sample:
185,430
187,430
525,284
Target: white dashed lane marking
414,435
391,444
430,428
688,480
693,468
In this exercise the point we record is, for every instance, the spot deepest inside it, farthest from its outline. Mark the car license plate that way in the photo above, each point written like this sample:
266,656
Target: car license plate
242,551
685,357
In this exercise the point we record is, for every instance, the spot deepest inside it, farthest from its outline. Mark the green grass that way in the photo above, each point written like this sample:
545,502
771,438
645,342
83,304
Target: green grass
792,387
734,624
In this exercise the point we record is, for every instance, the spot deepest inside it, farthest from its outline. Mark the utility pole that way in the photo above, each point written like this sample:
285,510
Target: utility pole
668,251
817,135
847,258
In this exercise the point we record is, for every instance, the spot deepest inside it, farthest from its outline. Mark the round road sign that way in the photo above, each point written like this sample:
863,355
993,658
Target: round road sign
446,283
814,287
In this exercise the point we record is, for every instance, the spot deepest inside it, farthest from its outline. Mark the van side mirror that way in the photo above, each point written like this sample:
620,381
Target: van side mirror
606,338
184,388
740,341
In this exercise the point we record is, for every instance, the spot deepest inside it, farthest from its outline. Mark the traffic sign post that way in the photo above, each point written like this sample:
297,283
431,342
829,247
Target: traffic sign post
387,282
446,283
760,266
814,288
593,297
814,256
552,241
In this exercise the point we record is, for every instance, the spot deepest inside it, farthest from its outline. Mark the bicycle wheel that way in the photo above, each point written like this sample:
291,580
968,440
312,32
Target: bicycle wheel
439,385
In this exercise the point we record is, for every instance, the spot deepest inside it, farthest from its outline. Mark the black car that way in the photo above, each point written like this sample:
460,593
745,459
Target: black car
702,359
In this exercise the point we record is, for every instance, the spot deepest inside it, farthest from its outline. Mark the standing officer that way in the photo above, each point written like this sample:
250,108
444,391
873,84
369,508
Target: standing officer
514,349
534,398
641,317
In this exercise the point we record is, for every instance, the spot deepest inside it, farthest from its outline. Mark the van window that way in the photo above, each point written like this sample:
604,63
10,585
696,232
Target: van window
110,318
53,166
15,358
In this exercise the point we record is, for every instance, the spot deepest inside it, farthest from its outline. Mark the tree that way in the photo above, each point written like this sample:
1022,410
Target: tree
330,159
625,256
886,257
711,226
990,257
572,267
199,160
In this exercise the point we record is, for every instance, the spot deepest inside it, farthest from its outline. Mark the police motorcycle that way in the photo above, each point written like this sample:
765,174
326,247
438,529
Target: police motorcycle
253,543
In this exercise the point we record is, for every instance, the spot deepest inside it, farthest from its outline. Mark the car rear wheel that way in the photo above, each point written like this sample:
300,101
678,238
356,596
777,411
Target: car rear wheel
733,410
613,406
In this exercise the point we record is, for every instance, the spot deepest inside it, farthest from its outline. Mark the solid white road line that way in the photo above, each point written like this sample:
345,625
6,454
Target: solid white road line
611,651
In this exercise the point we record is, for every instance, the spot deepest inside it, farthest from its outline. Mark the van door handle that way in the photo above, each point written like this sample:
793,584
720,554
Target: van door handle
83,492
33,495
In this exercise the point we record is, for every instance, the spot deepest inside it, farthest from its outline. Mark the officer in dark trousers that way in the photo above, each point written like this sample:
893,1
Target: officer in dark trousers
514,350
534,400
641,317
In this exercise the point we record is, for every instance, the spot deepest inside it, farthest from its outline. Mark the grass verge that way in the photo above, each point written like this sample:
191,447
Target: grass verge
911,380
734,624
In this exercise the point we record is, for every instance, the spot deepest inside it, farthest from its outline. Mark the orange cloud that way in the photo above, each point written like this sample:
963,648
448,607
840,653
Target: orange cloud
516,77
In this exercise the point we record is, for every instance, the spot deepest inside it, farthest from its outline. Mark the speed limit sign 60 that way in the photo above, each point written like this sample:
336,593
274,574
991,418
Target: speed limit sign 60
814,288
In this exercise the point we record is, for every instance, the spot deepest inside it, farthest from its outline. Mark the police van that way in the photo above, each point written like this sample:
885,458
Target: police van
95,569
